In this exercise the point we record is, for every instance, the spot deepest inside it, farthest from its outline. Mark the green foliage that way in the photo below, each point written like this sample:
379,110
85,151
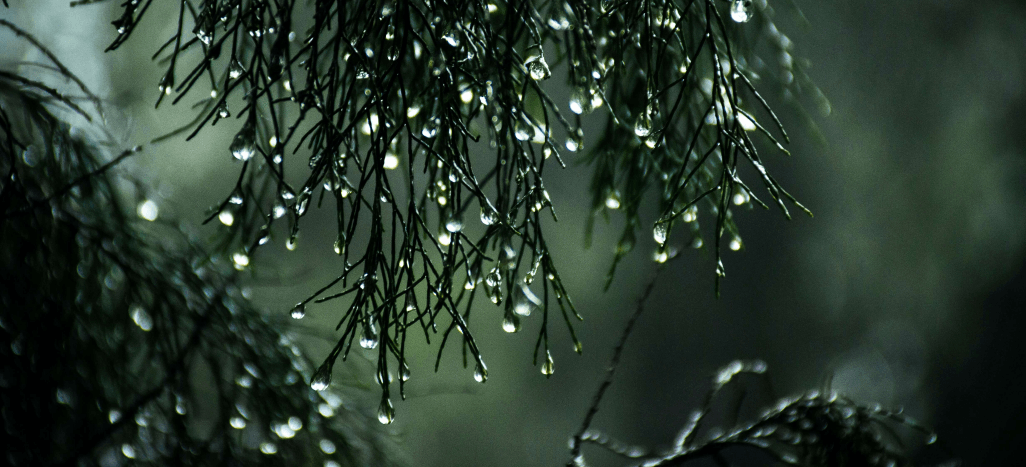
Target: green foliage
818,428
411,117
125,342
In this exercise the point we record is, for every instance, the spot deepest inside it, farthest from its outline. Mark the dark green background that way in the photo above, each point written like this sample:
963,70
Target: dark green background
906,288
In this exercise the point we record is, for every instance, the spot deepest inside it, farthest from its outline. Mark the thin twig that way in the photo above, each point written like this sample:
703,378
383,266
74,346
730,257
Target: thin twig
575,443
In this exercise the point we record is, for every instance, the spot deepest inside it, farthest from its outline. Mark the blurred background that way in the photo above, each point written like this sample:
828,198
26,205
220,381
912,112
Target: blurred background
906,289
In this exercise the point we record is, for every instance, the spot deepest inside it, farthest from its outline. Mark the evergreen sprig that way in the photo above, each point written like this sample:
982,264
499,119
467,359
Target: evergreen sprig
818,428
411,115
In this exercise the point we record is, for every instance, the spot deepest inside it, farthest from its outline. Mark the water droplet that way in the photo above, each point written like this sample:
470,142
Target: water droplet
430,129
268,448
454,224
386,413
494,278
741,11
526,301
488,216
241,260
391,161
549,366
660,231
613,200
148,210
141,318
580,103
245,381
369,340
290,244
510,322
237,422
481,372
413,110
166,84
244,145
573,143
114,415
404,372
321,379
299,311
643,127
932,438
538,68
235,70
128,450
327,446
735,243
340,246
226,217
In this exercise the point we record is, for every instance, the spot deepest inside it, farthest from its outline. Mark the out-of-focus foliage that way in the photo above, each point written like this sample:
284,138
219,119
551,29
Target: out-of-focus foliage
121,341
818,428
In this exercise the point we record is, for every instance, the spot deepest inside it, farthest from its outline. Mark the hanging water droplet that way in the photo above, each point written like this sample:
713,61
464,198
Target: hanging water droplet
290,244
451,37
386,413
237,422
454,224
141,318
226,217
613,199
369,340
735,243
494,278
299,311
128,450
538,68
572,143
166,83
241,260
148,210
340,246
526,301
404,372
741,11
321,379
488,216
596,97
643,127
413,110
480,372
660,231
235,70
244,145
549,366
430,128
579,101
268,448
510,322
